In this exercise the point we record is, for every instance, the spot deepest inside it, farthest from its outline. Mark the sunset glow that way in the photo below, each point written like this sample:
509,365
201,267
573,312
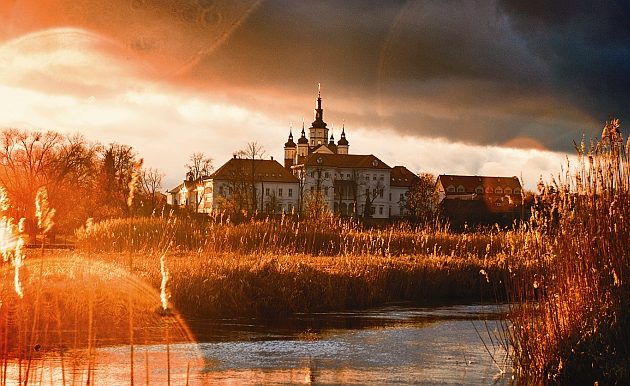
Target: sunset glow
451,209
80,73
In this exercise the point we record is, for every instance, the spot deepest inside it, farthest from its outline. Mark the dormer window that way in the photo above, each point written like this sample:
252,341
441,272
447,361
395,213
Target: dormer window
479,189
508,191
517,191
461,189
450,189
488,190
498,190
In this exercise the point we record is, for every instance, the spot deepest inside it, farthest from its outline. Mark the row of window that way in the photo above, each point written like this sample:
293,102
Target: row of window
223,190
480,190
280,192
381,177
373,209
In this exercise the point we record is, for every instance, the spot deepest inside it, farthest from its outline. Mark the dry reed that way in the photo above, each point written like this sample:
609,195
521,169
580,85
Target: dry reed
571,314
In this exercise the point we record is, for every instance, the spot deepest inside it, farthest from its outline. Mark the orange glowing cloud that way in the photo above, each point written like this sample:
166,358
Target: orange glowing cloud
172,36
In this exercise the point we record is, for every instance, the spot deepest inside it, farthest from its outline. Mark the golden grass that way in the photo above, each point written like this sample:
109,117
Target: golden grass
329,237
571,315
268,285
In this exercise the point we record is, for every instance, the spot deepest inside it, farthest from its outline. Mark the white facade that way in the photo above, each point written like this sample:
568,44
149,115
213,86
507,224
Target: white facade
398,201
368,190
350,185
275,197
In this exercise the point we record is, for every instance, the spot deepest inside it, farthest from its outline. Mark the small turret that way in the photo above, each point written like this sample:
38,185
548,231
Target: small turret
302,145
343,144
289,150
290,142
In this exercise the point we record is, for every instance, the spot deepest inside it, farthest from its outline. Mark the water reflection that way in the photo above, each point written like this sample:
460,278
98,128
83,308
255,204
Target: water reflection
90,323
407,345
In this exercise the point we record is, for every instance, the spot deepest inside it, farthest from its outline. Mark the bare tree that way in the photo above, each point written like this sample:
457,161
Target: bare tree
67,166
252,152
372,192
151,183
315,204
199,166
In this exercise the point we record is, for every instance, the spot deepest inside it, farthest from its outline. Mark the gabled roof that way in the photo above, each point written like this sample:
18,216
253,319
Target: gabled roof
345,161
470,183
324,149
264,170
401,176
190,185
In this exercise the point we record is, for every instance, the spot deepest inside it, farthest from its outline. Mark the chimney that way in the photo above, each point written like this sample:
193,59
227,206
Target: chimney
272,158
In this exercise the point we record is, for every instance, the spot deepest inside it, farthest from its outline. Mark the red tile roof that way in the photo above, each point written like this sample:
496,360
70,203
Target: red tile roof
401,176
470,183
264,170
368,161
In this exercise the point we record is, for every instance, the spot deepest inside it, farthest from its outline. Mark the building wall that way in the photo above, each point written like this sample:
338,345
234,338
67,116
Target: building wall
283,194
398,201
376,181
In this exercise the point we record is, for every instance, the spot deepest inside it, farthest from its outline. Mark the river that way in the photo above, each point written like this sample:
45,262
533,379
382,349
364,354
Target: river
401,344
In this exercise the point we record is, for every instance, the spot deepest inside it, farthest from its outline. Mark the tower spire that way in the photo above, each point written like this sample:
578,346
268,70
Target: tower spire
319,111
342,144
332,138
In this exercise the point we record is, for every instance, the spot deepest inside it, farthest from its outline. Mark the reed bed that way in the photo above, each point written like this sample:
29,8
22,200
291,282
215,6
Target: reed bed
325,237
208,285
571,314
278,266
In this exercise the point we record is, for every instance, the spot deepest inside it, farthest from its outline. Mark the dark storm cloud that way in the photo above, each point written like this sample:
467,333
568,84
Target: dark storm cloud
469,71
587,47
484,72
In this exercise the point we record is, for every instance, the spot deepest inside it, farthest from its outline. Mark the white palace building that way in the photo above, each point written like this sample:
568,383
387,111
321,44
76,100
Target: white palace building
317,171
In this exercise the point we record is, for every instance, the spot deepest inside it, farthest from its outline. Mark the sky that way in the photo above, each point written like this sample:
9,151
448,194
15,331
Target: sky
492,87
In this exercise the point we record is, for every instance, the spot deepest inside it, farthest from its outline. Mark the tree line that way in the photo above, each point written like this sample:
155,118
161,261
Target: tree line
83,179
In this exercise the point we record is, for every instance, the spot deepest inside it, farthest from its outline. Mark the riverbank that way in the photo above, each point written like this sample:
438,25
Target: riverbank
203,285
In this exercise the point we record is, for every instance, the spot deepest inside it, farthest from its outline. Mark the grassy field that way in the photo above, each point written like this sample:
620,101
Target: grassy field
269,285
275,267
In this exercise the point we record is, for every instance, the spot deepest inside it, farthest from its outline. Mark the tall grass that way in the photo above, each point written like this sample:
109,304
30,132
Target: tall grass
326,237
571,315
271,286
275,267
